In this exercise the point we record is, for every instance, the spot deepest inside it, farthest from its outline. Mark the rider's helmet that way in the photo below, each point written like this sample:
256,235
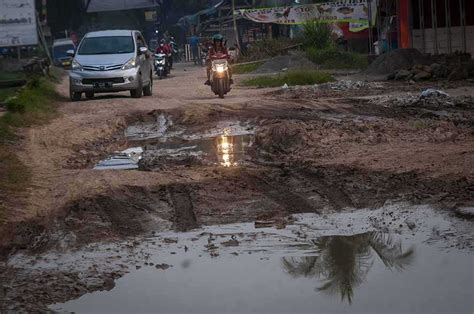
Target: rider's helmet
218,38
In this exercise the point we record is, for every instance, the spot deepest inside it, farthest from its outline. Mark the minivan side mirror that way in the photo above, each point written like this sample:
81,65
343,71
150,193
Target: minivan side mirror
70,53
143,50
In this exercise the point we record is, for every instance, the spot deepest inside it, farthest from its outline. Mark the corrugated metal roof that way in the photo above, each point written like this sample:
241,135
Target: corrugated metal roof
119,5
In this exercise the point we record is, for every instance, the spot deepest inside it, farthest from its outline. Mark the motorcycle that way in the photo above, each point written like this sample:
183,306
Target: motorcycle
203,57
220,75
161,65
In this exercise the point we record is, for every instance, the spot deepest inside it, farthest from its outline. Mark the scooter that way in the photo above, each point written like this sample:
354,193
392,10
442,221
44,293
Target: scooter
161,65
203,57
220,74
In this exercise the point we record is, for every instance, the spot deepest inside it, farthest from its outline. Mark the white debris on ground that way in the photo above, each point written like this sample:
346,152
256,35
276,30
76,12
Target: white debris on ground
431,92
429,98
124,160
348,85
342,85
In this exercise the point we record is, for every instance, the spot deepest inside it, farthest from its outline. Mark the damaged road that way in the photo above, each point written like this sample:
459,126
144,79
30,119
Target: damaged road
355,160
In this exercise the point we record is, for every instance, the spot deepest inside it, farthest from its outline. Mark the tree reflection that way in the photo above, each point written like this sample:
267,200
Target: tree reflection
344,261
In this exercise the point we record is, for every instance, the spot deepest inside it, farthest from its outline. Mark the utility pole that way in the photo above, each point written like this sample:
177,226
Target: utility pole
235,25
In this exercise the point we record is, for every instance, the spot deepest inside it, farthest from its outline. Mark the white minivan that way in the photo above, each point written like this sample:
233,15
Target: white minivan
111,61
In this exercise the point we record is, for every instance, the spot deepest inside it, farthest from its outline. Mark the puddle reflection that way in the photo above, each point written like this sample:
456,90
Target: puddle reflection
343,262
230,149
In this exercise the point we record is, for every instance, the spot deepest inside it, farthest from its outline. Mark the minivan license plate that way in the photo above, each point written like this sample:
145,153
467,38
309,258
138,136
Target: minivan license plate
102,85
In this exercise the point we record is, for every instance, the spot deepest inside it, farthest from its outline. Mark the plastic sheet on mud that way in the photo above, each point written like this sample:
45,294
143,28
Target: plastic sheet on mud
125,160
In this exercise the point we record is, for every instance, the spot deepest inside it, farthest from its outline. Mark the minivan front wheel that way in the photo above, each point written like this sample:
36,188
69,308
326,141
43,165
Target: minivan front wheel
74,96
148,90
138,92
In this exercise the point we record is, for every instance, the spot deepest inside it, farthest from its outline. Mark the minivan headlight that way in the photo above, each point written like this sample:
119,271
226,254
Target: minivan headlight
76,66
130,64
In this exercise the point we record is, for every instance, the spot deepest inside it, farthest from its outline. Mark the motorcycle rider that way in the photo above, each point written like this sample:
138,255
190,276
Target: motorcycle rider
164,48
174,50
217,47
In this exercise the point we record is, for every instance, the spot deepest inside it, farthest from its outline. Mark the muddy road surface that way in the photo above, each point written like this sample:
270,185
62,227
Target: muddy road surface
303,196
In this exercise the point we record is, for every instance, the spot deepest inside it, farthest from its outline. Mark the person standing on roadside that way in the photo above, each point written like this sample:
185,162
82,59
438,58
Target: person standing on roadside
194,43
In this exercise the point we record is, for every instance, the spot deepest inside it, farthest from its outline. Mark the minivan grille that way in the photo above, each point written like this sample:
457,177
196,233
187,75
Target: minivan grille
102,68
114,80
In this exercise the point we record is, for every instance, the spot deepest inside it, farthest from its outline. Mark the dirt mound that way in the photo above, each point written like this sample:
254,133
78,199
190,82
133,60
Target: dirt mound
400,59
282,136
289,62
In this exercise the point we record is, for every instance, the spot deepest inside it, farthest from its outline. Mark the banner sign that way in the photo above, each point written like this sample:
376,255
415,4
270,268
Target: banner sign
352,11
17,23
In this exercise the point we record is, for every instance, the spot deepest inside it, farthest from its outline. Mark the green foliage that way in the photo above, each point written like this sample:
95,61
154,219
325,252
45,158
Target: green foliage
6,93
30,105
333,58
7,76
317,35
33,104
246,68
292,78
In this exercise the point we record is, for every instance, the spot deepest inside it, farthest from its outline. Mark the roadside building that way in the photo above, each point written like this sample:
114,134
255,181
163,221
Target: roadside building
431,26
125,14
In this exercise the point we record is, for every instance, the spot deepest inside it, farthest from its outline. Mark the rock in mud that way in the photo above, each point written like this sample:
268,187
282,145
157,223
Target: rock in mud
163,266
411,225
465,212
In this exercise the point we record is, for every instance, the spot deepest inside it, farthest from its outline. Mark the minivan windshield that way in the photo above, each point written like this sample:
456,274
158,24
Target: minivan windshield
106,45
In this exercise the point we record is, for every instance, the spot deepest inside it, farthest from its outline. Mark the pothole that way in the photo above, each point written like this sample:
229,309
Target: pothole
162,143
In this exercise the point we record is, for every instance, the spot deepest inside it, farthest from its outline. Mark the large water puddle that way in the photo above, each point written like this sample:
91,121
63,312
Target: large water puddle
239,269
225,144
224,150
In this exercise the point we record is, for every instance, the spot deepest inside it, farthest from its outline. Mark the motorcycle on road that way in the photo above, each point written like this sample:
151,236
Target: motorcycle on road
161,65
220,75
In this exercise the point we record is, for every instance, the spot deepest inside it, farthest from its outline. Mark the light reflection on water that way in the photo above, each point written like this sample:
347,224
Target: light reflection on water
231,149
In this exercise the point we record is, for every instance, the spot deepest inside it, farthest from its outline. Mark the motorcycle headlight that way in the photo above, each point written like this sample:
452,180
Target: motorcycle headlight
76,66
130,64
220,68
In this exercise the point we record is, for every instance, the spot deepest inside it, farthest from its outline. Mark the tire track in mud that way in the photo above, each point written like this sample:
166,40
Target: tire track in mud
184,216
336,197
290,201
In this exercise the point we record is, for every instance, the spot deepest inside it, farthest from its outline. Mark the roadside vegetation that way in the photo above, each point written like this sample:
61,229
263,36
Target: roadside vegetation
5,76
291,78
6,92
246,68
30,105
332,58
321,49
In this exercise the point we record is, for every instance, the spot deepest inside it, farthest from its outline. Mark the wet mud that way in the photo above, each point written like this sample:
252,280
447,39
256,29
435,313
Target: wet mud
350,250
343,159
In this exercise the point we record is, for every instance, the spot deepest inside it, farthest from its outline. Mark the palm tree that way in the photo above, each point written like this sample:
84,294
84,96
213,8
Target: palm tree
344,261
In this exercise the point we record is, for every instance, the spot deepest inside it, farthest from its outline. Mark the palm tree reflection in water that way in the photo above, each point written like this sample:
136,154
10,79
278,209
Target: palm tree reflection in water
344,261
